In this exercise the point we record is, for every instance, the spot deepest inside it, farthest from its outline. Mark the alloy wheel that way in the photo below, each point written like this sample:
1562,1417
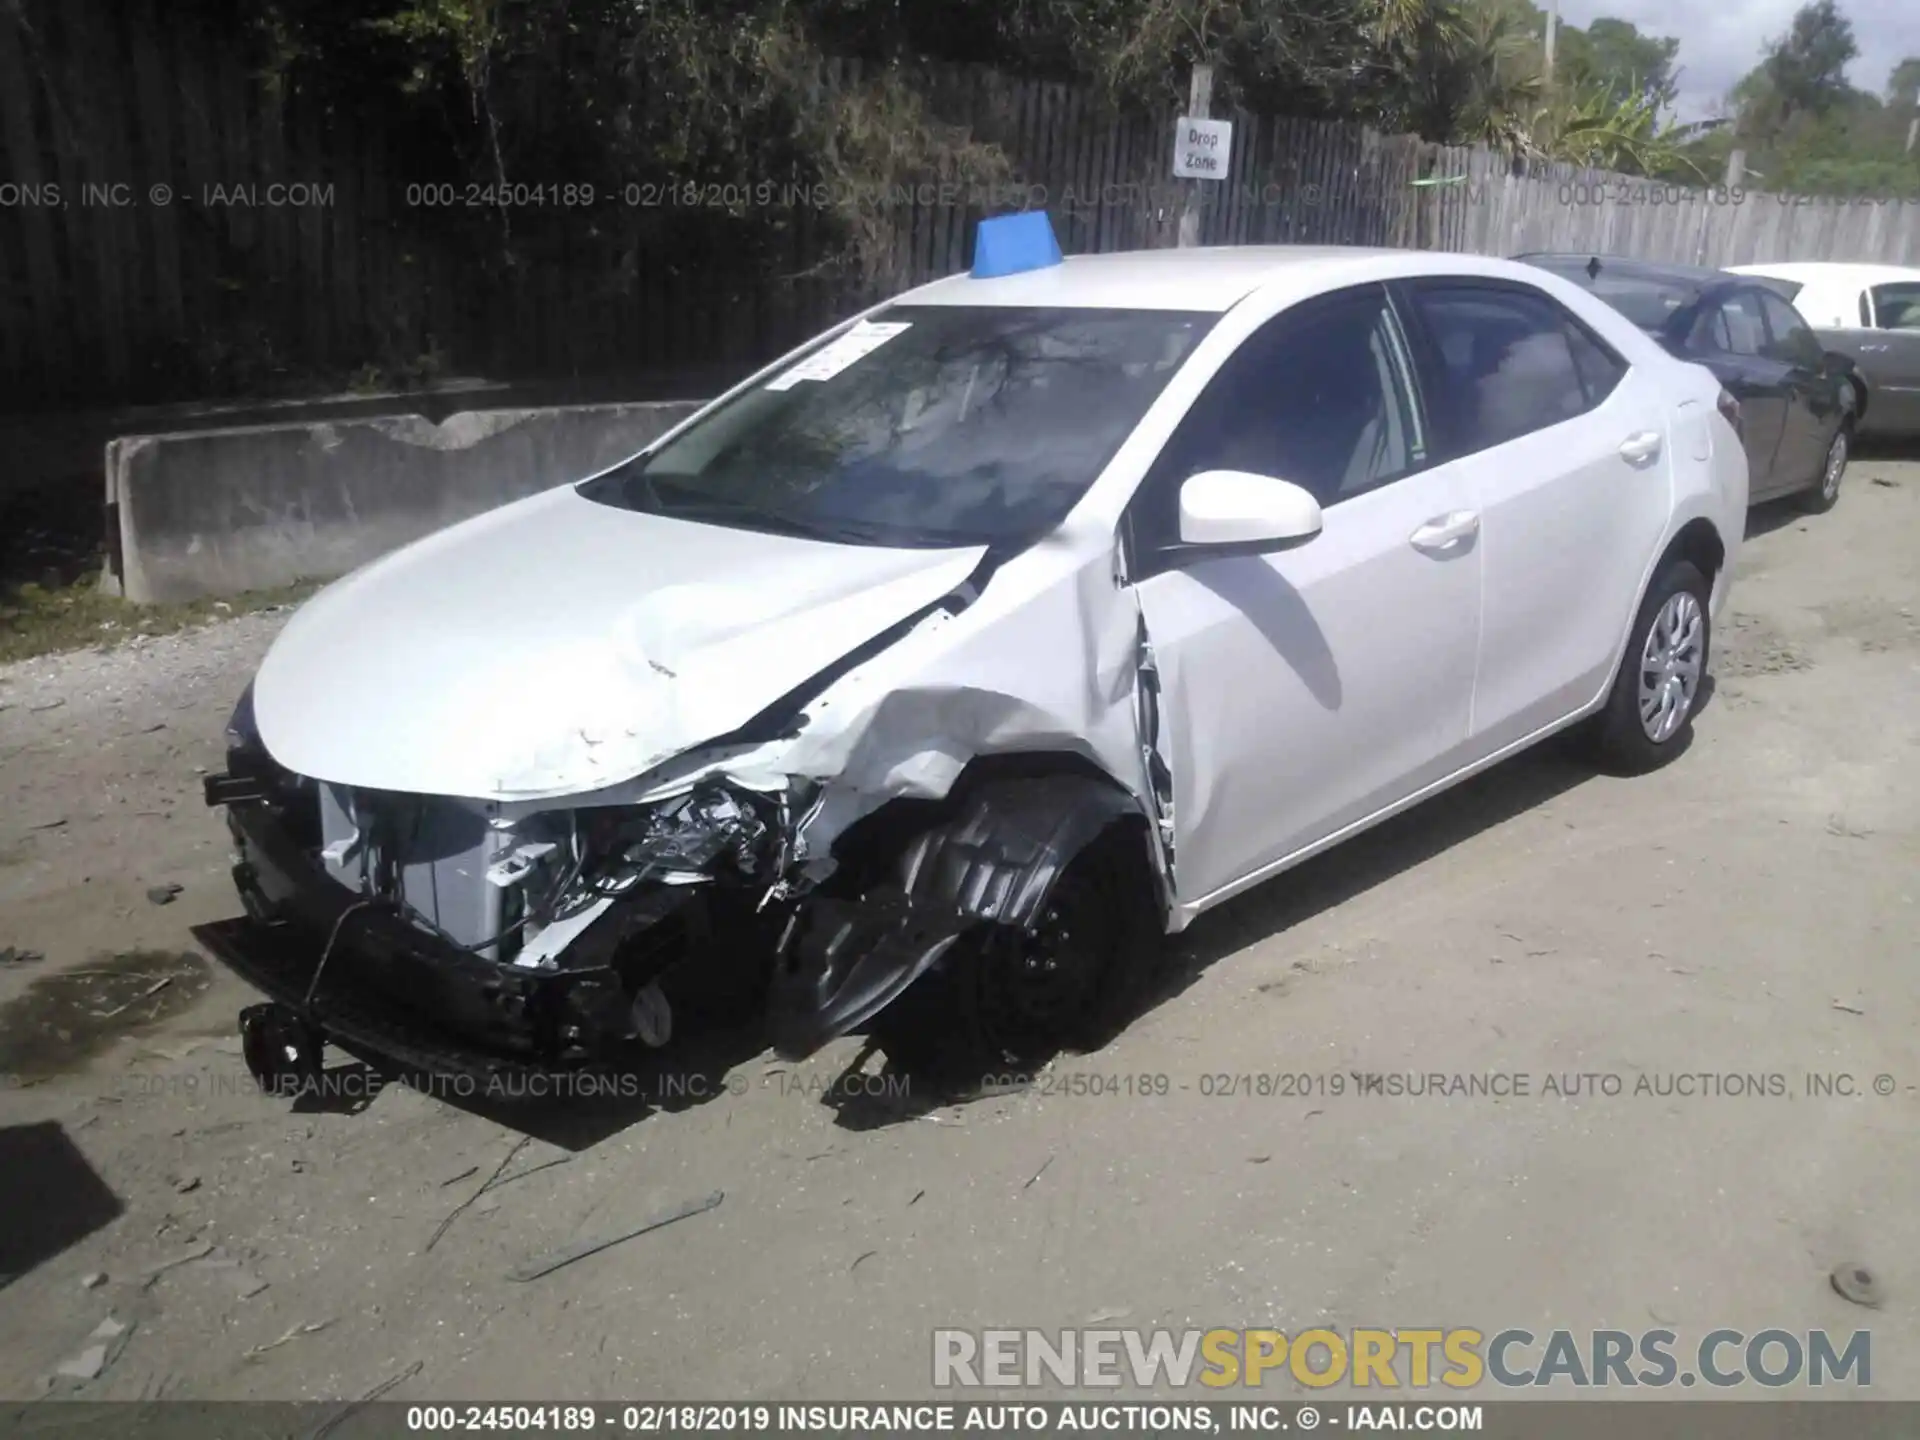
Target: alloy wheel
1671,665
1836,467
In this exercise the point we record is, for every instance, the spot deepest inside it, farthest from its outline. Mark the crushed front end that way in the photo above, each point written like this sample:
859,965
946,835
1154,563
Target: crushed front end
455,938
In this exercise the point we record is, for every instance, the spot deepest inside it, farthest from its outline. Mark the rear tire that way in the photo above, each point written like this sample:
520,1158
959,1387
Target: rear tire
1824,493
1648,717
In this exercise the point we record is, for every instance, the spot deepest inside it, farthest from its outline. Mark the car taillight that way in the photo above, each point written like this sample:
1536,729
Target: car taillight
1730,408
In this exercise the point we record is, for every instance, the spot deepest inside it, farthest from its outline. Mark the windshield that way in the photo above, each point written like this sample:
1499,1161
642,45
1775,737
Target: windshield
922,426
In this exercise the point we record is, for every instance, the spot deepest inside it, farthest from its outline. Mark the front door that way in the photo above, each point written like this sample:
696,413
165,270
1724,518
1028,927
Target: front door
1894,349
1303,691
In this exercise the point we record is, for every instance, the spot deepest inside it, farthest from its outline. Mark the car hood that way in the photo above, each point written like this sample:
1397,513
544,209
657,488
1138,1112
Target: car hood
557,645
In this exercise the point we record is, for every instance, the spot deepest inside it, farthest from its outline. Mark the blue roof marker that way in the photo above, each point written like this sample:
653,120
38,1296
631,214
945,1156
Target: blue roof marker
1010,244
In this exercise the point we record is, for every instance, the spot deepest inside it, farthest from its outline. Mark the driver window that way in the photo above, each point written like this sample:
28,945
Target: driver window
1896,307
1318,396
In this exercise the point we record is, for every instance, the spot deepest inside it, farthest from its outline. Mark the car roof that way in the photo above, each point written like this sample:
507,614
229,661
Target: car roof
1810,271
1206,279
1628,268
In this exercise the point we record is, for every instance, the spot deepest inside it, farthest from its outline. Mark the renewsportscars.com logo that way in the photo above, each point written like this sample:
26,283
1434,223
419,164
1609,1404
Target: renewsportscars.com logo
1417,1359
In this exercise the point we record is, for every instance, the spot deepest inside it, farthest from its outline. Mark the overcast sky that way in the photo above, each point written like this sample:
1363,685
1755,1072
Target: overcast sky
1720,40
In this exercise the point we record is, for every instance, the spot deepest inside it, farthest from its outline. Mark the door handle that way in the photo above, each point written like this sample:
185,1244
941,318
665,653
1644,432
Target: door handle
1440,534
1640,448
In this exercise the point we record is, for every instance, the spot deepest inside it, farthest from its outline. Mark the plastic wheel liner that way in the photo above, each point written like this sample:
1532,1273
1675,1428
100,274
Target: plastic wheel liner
995,860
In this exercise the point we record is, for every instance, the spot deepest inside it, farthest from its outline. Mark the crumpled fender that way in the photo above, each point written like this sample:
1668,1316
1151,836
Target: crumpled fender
994,860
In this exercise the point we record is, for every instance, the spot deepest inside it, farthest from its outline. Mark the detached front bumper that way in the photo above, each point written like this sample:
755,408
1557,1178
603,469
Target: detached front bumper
393,991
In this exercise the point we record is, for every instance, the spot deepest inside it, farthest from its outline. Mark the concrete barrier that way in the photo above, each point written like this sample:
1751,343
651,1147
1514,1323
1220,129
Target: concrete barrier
218,512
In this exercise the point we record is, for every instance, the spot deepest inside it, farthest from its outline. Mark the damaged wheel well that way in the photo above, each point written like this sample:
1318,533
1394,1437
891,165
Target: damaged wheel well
1015,789
921,884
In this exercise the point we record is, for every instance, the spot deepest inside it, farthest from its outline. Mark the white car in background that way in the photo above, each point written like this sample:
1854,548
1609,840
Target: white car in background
931,674
1870,314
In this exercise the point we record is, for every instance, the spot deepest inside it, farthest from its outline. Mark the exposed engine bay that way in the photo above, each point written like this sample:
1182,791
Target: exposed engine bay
458,936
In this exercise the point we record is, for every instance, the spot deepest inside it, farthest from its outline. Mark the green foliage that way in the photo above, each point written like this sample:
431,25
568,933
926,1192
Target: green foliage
1614,56
1808,131
1804,72
1903,86
656,90
1601,130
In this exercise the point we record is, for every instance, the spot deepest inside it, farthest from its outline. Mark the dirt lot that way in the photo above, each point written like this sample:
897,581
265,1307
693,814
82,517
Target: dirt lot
1748,912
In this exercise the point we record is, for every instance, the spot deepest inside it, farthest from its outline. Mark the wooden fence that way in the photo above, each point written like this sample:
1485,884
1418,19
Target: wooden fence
146,253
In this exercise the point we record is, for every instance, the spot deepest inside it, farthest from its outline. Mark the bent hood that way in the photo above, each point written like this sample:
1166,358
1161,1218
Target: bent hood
557,645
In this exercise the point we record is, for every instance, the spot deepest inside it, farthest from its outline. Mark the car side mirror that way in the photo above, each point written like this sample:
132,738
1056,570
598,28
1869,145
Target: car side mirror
1236,512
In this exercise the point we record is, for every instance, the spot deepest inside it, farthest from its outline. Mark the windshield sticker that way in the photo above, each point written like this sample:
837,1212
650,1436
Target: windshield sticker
863,339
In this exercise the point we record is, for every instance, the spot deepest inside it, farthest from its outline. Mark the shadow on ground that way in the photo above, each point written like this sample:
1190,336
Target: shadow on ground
51,1198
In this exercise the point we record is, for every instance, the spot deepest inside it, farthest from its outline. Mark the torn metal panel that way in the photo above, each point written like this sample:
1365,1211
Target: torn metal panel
985,681
994,862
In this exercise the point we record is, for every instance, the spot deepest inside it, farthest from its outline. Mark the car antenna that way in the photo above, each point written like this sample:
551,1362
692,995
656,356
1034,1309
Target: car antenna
1593,268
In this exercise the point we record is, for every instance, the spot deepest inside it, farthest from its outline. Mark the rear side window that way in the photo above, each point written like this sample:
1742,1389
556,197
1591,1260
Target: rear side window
1897,307
1710,331
1792,342
1511,361
1746,331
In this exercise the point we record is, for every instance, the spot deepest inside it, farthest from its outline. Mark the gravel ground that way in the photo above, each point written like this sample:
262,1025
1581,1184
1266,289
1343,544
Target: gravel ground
1748,912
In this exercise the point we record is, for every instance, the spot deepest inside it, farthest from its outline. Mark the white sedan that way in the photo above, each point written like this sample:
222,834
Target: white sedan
930,675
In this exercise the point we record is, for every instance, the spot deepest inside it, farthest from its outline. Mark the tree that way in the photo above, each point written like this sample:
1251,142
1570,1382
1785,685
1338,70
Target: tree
1903,87
1804,71
1627,65
1808,131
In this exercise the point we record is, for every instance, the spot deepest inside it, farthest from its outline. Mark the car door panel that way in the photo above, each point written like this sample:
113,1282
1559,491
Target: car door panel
1762,410
1903,375
1305,690
1895,310
1760,385
1566,451
1813,397
1568,520
1895,372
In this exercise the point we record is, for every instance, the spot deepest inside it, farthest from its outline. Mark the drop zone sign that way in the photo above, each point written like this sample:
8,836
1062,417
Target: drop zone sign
1202,148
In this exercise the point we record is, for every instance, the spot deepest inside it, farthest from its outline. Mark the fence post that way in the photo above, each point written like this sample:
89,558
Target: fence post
1199,107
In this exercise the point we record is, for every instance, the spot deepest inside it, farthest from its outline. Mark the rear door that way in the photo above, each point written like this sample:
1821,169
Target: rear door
1729,336
1565,446
1813,396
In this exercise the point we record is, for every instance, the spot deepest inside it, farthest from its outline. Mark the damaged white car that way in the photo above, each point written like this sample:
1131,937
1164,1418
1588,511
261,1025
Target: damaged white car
930,676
